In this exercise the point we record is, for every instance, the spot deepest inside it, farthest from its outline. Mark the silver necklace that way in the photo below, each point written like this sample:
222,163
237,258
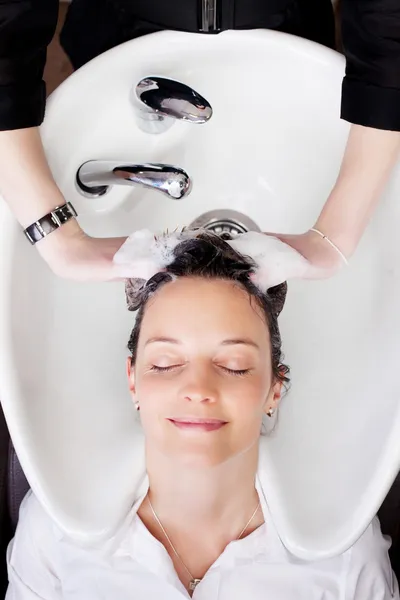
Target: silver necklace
193,580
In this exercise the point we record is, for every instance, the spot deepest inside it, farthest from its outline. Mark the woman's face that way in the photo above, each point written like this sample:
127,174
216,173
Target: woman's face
203,354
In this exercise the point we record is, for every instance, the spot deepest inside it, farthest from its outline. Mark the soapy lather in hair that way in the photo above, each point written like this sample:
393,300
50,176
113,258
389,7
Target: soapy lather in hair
144,254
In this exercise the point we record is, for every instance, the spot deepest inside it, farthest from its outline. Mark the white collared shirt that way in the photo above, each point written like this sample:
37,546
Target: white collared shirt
43,564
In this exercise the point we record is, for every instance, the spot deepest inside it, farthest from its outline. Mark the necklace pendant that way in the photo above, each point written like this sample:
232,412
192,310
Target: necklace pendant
193,584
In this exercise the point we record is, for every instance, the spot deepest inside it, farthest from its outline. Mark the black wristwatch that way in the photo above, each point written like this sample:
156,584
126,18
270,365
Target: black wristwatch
53,220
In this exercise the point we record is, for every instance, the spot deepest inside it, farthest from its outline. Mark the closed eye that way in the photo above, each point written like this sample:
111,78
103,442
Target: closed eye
158,369
238,372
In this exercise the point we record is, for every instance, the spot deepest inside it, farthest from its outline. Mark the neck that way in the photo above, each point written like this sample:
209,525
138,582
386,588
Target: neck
222,497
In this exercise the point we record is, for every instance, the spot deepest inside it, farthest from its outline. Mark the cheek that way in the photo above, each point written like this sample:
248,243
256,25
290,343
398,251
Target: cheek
248,396
154,390
153,399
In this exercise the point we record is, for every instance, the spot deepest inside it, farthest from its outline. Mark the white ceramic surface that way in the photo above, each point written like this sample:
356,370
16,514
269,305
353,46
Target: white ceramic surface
271,150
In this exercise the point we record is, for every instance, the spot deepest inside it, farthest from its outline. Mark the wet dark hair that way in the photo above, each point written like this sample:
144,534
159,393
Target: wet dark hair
209,256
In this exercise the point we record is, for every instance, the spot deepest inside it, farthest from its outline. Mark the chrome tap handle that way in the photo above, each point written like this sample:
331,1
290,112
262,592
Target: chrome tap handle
95,177
161,100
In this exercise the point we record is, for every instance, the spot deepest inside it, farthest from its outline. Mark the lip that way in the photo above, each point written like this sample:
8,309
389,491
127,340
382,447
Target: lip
195,423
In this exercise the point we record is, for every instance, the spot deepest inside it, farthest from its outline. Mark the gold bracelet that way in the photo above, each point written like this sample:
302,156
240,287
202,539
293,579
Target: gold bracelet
324,237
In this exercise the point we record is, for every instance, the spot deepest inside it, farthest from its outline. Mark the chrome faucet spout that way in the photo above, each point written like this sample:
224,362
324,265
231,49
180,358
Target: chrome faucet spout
159,102
95,177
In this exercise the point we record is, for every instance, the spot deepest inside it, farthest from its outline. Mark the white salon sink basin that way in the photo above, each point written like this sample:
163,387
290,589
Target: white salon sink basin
271,150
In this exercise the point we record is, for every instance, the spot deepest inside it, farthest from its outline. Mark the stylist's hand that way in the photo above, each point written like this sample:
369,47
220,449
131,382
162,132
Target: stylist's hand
282,257
72,254
323,260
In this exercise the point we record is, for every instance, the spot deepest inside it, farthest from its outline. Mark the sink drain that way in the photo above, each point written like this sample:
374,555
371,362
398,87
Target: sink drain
226,223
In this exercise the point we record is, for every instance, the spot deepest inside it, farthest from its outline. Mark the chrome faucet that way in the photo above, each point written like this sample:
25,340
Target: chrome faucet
158,102
95,177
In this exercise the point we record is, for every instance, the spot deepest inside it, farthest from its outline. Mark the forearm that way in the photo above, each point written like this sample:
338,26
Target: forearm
27,185
371,102
26,182
30,190
367,163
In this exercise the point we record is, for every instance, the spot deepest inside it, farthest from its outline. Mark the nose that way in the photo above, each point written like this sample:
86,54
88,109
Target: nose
200,385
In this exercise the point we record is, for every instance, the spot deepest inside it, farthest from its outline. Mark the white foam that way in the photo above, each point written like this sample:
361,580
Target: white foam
144,254
276,261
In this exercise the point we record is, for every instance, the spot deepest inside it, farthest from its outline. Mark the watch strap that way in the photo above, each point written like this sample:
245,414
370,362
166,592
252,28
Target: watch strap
50,222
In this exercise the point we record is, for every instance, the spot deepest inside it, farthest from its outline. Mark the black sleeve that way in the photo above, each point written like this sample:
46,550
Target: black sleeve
26,29
371,42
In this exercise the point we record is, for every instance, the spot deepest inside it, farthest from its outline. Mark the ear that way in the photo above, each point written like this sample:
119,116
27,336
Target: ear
274,397
131,376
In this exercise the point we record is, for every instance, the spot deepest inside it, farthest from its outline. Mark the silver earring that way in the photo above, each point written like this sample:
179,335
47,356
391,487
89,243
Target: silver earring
137,406
271,412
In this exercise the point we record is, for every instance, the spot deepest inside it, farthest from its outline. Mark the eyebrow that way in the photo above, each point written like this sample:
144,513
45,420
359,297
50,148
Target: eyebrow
242,341
167,340
228,342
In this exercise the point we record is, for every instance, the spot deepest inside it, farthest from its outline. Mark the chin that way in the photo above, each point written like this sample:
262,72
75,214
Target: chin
189,456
